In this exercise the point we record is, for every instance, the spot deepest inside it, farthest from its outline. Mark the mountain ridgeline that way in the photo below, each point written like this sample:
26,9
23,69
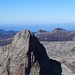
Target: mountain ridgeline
57,34
6,36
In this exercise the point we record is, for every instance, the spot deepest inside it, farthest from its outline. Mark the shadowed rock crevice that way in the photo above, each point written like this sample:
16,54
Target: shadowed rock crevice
8,66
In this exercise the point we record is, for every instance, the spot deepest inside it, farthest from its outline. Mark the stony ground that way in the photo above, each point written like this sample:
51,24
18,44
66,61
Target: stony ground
63,52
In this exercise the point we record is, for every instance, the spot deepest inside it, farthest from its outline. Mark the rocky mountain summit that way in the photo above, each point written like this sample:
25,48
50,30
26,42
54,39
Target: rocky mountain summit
25,55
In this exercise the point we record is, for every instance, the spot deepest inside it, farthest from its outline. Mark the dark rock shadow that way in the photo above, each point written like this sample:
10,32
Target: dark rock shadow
47,66
55,67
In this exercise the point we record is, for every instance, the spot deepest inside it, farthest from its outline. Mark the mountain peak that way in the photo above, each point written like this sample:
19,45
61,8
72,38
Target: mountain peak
59,29
21,37
41,30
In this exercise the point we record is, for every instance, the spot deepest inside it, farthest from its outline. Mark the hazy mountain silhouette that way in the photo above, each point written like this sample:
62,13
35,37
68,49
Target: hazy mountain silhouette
57,34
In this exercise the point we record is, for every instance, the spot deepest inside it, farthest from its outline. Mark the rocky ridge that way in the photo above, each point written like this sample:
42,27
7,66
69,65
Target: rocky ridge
25,55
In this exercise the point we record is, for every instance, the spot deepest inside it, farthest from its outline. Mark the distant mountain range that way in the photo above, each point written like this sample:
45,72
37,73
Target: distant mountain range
57,34
7,34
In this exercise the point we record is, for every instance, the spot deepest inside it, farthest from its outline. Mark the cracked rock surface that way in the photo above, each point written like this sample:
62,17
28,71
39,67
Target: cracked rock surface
64,52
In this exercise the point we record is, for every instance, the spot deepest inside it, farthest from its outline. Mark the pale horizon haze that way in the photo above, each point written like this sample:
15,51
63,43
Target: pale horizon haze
37,14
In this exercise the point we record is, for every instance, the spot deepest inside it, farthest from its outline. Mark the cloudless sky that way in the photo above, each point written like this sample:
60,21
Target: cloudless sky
37,12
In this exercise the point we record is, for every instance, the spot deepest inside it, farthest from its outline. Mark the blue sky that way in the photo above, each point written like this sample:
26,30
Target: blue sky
36,12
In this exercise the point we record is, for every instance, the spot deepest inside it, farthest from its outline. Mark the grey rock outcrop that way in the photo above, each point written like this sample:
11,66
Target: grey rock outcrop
26,56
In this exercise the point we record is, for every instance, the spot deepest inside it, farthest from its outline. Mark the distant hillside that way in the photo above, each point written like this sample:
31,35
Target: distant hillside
7,34
57,34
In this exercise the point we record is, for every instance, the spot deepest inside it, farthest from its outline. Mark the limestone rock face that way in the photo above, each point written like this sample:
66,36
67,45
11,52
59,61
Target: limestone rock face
26,56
